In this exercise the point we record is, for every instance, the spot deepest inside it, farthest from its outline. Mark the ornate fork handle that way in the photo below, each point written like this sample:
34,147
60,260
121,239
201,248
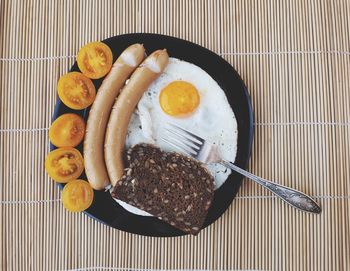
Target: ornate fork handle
289,195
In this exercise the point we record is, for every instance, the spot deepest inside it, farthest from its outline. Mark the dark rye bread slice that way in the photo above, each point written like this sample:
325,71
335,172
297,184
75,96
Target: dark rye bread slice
173,187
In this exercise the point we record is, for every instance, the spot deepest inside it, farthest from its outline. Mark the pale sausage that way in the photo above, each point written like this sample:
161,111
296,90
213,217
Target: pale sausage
123,67
123,108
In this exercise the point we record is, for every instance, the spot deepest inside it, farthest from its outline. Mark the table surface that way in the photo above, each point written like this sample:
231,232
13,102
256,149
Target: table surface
295,59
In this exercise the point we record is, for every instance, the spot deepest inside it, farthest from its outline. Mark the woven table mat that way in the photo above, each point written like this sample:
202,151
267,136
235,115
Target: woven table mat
294,57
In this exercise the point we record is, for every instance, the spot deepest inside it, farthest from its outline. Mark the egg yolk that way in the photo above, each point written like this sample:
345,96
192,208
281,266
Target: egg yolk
179,98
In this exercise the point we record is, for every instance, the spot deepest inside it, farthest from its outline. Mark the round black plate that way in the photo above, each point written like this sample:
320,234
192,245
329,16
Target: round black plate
104,208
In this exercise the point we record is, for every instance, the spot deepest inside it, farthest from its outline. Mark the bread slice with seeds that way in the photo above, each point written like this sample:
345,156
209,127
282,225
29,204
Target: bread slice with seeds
175,188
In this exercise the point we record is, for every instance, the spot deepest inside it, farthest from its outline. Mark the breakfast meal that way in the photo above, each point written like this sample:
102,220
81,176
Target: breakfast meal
175,188
122,147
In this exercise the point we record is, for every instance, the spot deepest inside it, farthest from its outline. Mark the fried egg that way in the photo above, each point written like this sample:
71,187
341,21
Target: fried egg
187,96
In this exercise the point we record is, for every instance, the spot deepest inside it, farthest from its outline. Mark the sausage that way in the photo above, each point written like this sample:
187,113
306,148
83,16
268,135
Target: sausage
95,167
123,108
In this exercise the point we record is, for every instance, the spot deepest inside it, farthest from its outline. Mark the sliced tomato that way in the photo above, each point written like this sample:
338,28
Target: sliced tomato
76,90
67,130
77,195
64,164
95,59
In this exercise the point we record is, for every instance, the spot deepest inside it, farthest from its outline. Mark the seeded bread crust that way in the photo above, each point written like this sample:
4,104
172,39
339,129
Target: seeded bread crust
170,186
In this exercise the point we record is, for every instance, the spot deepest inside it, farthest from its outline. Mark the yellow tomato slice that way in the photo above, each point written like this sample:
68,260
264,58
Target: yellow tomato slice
77,195
95,59
67,130
64,164
76,90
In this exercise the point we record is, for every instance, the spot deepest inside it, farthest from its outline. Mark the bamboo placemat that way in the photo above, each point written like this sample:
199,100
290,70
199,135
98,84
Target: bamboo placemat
295,59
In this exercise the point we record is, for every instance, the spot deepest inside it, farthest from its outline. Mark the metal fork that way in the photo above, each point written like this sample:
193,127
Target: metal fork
202,150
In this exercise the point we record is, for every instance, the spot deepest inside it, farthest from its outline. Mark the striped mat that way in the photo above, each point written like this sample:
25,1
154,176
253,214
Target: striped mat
295,59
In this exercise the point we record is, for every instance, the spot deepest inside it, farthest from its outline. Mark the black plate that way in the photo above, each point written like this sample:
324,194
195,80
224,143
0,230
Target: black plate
104,208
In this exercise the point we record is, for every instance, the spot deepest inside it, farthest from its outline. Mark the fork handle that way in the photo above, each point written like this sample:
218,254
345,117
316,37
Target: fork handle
291,196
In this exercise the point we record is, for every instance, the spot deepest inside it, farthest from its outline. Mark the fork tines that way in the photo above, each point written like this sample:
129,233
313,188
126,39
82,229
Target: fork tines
183,140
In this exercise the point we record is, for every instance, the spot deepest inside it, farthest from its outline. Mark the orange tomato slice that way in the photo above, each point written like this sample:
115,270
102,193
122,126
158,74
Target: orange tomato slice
95,59
64,164
76,90
67,130
77,195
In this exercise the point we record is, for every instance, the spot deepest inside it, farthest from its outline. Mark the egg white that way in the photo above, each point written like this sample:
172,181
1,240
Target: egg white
213,120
